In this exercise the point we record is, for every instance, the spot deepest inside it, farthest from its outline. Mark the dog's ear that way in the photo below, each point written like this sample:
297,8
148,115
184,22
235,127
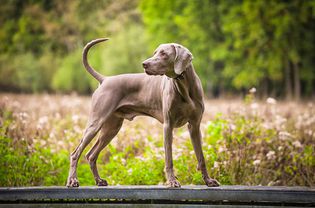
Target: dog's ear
183,58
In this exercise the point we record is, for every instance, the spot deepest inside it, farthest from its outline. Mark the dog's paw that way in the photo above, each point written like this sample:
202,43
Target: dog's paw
72,182
101,182
173,184
212,182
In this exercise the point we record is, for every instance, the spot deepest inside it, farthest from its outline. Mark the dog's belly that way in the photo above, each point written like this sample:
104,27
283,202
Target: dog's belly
129,112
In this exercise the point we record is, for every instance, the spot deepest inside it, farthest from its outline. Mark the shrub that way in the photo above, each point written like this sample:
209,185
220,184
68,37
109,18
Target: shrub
253,144
22,164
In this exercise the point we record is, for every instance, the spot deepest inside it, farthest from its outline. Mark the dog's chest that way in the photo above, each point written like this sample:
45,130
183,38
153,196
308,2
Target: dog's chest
181,113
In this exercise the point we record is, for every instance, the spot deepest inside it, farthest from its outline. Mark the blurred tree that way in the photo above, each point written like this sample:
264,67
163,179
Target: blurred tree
265,45
241,44
236,44
41,42
122,54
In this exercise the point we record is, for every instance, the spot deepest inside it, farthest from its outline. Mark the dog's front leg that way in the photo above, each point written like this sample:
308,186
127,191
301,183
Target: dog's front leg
168,140
195,135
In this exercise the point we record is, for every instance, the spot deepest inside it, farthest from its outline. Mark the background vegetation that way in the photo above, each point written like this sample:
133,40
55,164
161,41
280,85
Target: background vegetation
236,44
244,142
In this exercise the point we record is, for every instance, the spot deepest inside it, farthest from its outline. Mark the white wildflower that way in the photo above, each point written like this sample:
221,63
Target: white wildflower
271,101
129,170
185,134
254,106
252,90
309,132
23,115
52,134
267,125
42,121
274,183
42,142
159,156
208,123
271,155
283,135
232,127
280,122
297,144
75,118
57,116
140,158
61,143
123,161
221,149
179,150
256,162
216,164
77,129
16,104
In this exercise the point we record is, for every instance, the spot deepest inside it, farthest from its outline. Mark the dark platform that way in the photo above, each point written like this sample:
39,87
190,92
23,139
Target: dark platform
155,196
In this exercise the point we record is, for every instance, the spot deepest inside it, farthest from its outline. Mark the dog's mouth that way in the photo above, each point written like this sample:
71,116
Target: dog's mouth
152,73
148,72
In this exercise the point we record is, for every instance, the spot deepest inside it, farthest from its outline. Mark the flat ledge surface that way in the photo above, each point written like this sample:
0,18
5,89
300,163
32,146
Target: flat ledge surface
231,194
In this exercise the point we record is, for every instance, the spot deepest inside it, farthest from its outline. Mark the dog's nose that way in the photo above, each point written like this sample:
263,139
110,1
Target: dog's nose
145,65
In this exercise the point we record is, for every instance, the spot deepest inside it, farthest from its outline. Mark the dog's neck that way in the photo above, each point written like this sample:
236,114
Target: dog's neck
181,76
184,84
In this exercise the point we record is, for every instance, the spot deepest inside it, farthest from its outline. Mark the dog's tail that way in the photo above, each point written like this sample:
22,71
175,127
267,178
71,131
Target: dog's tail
87,66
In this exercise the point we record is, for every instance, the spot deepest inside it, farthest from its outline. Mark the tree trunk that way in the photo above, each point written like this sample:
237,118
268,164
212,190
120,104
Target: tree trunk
297,83
265,88
287,81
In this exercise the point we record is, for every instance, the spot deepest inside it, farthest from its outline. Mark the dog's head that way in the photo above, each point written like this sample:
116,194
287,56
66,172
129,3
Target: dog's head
169,59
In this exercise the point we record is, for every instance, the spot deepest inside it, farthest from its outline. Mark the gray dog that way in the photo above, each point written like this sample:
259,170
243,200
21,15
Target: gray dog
174,98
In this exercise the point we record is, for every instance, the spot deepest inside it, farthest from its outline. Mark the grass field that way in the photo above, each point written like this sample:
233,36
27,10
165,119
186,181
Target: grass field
245,142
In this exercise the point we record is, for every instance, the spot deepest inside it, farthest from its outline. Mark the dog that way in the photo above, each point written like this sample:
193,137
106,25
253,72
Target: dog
169,91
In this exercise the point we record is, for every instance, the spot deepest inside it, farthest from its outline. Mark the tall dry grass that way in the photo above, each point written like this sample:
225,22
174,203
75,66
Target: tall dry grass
245,142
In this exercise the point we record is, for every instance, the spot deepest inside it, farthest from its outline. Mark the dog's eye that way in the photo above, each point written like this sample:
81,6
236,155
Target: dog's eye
163,53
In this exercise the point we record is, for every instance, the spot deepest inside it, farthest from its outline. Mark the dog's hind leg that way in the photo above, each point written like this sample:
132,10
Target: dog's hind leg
101,110
92,128
108,131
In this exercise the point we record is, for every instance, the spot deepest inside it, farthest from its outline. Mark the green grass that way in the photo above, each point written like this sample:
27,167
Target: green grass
249,146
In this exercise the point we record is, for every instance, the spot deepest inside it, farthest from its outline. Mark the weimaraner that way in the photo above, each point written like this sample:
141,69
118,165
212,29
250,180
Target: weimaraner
174,98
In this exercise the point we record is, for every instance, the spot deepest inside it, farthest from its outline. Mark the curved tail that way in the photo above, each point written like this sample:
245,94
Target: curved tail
87,66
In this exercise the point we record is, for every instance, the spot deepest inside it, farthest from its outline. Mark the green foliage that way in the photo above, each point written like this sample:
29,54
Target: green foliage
249,146
43,41
128,47
26,71
239,44
71,75
21,167
22,164
126,168
236,45
27,77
